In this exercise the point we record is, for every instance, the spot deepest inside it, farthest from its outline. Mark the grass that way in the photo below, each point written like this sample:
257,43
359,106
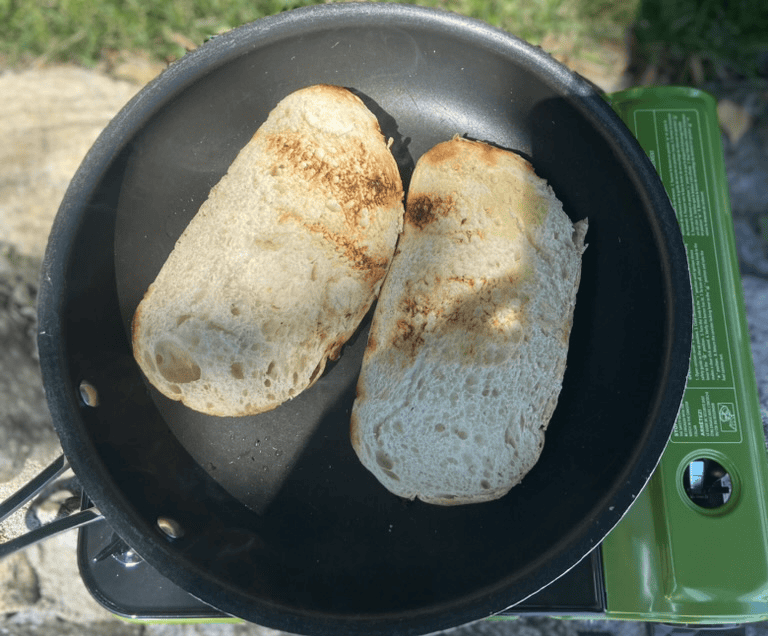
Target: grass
82,31
681,35
710,34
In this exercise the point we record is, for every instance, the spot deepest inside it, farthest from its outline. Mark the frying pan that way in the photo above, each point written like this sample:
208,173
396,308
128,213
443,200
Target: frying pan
272,518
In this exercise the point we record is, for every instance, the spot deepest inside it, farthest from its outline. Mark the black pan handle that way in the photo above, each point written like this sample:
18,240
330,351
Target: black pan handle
27,492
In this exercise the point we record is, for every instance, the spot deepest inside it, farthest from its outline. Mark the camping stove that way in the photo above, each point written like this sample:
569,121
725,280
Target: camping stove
693,548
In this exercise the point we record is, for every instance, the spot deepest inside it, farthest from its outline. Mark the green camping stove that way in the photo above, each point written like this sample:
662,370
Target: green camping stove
697,535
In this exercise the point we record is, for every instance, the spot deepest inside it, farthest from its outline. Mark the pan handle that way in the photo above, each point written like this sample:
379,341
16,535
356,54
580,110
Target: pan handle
27,492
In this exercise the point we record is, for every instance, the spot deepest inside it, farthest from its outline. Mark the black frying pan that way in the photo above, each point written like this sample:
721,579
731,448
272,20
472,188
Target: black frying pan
281,524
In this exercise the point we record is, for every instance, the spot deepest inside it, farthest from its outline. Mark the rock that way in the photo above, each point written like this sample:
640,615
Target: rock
21,586
734,119
602,63
746,166
50,118
135,67
756,300
62,594
20,625
25,424
743,113
221,629
545,626
751,247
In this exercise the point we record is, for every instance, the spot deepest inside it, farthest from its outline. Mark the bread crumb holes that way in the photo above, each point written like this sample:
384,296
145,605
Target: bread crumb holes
384,460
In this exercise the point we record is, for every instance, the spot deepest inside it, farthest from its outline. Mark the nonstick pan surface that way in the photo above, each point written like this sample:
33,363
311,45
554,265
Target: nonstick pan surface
281,523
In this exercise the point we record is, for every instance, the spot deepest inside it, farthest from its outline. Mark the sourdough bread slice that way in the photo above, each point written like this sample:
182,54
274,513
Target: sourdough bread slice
280,264
468,345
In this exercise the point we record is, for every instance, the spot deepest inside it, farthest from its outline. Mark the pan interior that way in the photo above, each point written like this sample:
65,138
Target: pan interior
276,508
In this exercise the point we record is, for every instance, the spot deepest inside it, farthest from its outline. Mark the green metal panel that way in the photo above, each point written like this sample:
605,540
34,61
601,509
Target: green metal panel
671,559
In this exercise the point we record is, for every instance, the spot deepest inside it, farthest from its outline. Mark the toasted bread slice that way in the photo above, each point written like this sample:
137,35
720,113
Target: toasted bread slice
467,349
281,262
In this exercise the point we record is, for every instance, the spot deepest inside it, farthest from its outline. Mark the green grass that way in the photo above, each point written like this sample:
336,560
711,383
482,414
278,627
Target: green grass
717,33
83,30
669,33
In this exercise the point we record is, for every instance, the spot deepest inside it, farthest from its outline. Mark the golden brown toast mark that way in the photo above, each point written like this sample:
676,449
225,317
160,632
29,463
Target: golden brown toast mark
424,209
356,181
